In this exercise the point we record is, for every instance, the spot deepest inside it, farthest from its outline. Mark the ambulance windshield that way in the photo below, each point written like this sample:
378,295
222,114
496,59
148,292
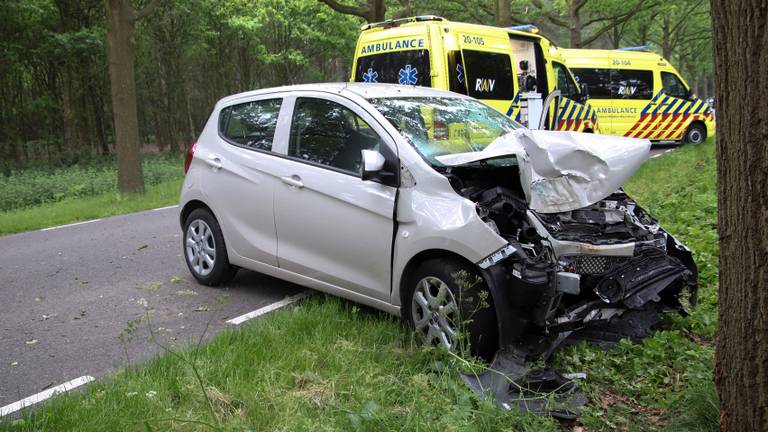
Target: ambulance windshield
439,126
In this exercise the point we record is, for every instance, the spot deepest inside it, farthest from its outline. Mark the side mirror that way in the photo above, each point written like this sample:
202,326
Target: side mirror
373,163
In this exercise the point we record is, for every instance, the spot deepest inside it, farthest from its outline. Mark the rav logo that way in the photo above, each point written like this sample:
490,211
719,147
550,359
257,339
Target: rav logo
484,85
627,90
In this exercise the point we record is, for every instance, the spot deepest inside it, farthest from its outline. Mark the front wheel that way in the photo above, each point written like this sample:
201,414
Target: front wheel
696,134
449,304
204,249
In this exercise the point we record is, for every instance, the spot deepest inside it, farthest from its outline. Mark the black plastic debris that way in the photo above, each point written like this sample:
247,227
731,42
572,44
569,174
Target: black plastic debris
510,381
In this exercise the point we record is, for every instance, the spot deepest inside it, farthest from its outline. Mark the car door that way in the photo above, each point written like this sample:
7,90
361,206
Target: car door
680,106
240,179
331,225
573,112
635,109
598,84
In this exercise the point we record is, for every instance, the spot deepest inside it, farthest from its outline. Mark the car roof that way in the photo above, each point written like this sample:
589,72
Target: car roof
364,90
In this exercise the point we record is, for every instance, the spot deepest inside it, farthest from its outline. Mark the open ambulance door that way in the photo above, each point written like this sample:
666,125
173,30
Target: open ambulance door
487,70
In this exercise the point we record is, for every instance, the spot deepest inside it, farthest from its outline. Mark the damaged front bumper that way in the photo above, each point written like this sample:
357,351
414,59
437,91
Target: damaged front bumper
598,295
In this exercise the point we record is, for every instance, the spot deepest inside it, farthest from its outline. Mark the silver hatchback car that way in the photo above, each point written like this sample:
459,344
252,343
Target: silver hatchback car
433,206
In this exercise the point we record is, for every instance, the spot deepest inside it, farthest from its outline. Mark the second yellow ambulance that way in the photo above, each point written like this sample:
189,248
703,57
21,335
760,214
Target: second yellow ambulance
638,94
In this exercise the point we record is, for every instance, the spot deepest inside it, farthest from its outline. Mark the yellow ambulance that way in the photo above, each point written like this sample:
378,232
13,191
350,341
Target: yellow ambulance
638,93
512,69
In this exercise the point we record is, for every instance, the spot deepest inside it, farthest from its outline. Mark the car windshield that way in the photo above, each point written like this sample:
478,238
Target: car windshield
439,126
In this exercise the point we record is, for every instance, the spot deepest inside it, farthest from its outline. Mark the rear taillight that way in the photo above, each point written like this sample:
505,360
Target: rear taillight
188,159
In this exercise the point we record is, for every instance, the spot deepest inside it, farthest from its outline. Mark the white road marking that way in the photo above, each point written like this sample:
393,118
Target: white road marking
165,208
43,395
99,219
267,309
70,225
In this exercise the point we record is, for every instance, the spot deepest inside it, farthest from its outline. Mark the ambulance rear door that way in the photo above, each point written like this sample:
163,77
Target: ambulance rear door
399,55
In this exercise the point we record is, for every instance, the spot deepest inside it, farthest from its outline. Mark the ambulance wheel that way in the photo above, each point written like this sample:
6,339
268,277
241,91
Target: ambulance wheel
696,134
449,304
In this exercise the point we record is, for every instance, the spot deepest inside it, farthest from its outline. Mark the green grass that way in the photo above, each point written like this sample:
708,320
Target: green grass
29,187
38,197
331,365
70,210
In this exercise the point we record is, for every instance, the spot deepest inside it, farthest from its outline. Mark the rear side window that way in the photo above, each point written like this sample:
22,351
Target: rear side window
673,86
598,81
327,133
564,82
489,75
632,84
616,83
399,67
251,124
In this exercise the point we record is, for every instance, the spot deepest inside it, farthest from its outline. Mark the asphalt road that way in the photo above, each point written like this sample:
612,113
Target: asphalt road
68,294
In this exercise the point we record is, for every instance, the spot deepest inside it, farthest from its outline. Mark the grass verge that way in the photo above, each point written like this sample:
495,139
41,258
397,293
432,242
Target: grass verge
331,365
76,209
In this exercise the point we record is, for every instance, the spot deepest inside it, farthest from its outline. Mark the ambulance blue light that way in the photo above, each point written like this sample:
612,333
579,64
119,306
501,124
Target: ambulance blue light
528,28
641,48
396,22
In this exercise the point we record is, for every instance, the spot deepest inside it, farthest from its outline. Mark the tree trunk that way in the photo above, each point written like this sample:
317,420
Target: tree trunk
575,23
121,22
666,45
378,9
741,85
503,13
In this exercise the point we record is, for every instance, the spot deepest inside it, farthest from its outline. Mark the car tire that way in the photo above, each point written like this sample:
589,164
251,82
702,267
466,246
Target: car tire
696,134
204,249
446,295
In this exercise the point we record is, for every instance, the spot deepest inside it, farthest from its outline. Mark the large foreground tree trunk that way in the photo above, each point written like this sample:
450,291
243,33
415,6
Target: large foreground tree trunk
741,58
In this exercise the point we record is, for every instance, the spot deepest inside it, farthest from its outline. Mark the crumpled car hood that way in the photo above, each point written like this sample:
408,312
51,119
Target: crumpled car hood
564,171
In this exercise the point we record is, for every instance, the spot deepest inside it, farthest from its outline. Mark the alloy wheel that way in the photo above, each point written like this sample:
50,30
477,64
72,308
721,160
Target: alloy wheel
435,312
200,247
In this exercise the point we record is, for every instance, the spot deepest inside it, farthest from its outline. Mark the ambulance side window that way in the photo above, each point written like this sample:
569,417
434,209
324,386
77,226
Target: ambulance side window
564,83
488,75
598,81
673,86
397,67
631,84
457,79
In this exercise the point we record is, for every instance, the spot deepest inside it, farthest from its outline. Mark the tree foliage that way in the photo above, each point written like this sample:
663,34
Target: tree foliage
54,81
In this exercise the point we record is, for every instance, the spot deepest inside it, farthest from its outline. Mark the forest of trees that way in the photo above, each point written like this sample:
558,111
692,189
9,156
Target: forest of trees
55,99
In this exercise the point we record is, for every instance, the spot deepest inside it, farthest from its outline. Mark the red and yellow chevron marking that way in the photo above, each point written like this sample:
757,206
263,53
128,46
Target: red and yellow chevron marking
576,117
671,122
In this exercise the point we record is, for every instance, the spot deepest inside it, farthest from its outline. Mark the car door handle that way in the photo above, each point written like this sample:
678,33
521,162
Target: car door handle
214,162
293,180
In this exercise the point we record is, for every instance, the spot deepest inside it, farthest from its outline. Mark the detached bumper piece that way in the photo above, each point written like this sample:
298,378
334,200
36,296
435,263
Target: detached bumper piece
511,382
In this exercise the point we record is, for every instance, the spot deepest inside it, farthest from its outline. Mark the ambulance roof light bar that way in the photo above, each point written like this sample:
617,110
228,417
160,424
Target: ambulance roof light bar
396,22
528,28
641,48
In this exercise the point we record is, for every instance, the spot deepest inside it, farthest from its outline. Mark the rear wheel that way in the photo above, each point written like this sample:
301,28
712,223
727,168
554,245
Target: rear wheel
449,304
696,134
204,249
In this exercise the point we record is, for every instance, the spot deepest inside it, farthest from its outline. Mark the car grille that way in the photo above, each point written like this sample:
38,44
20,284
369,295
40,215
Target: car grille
595,264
